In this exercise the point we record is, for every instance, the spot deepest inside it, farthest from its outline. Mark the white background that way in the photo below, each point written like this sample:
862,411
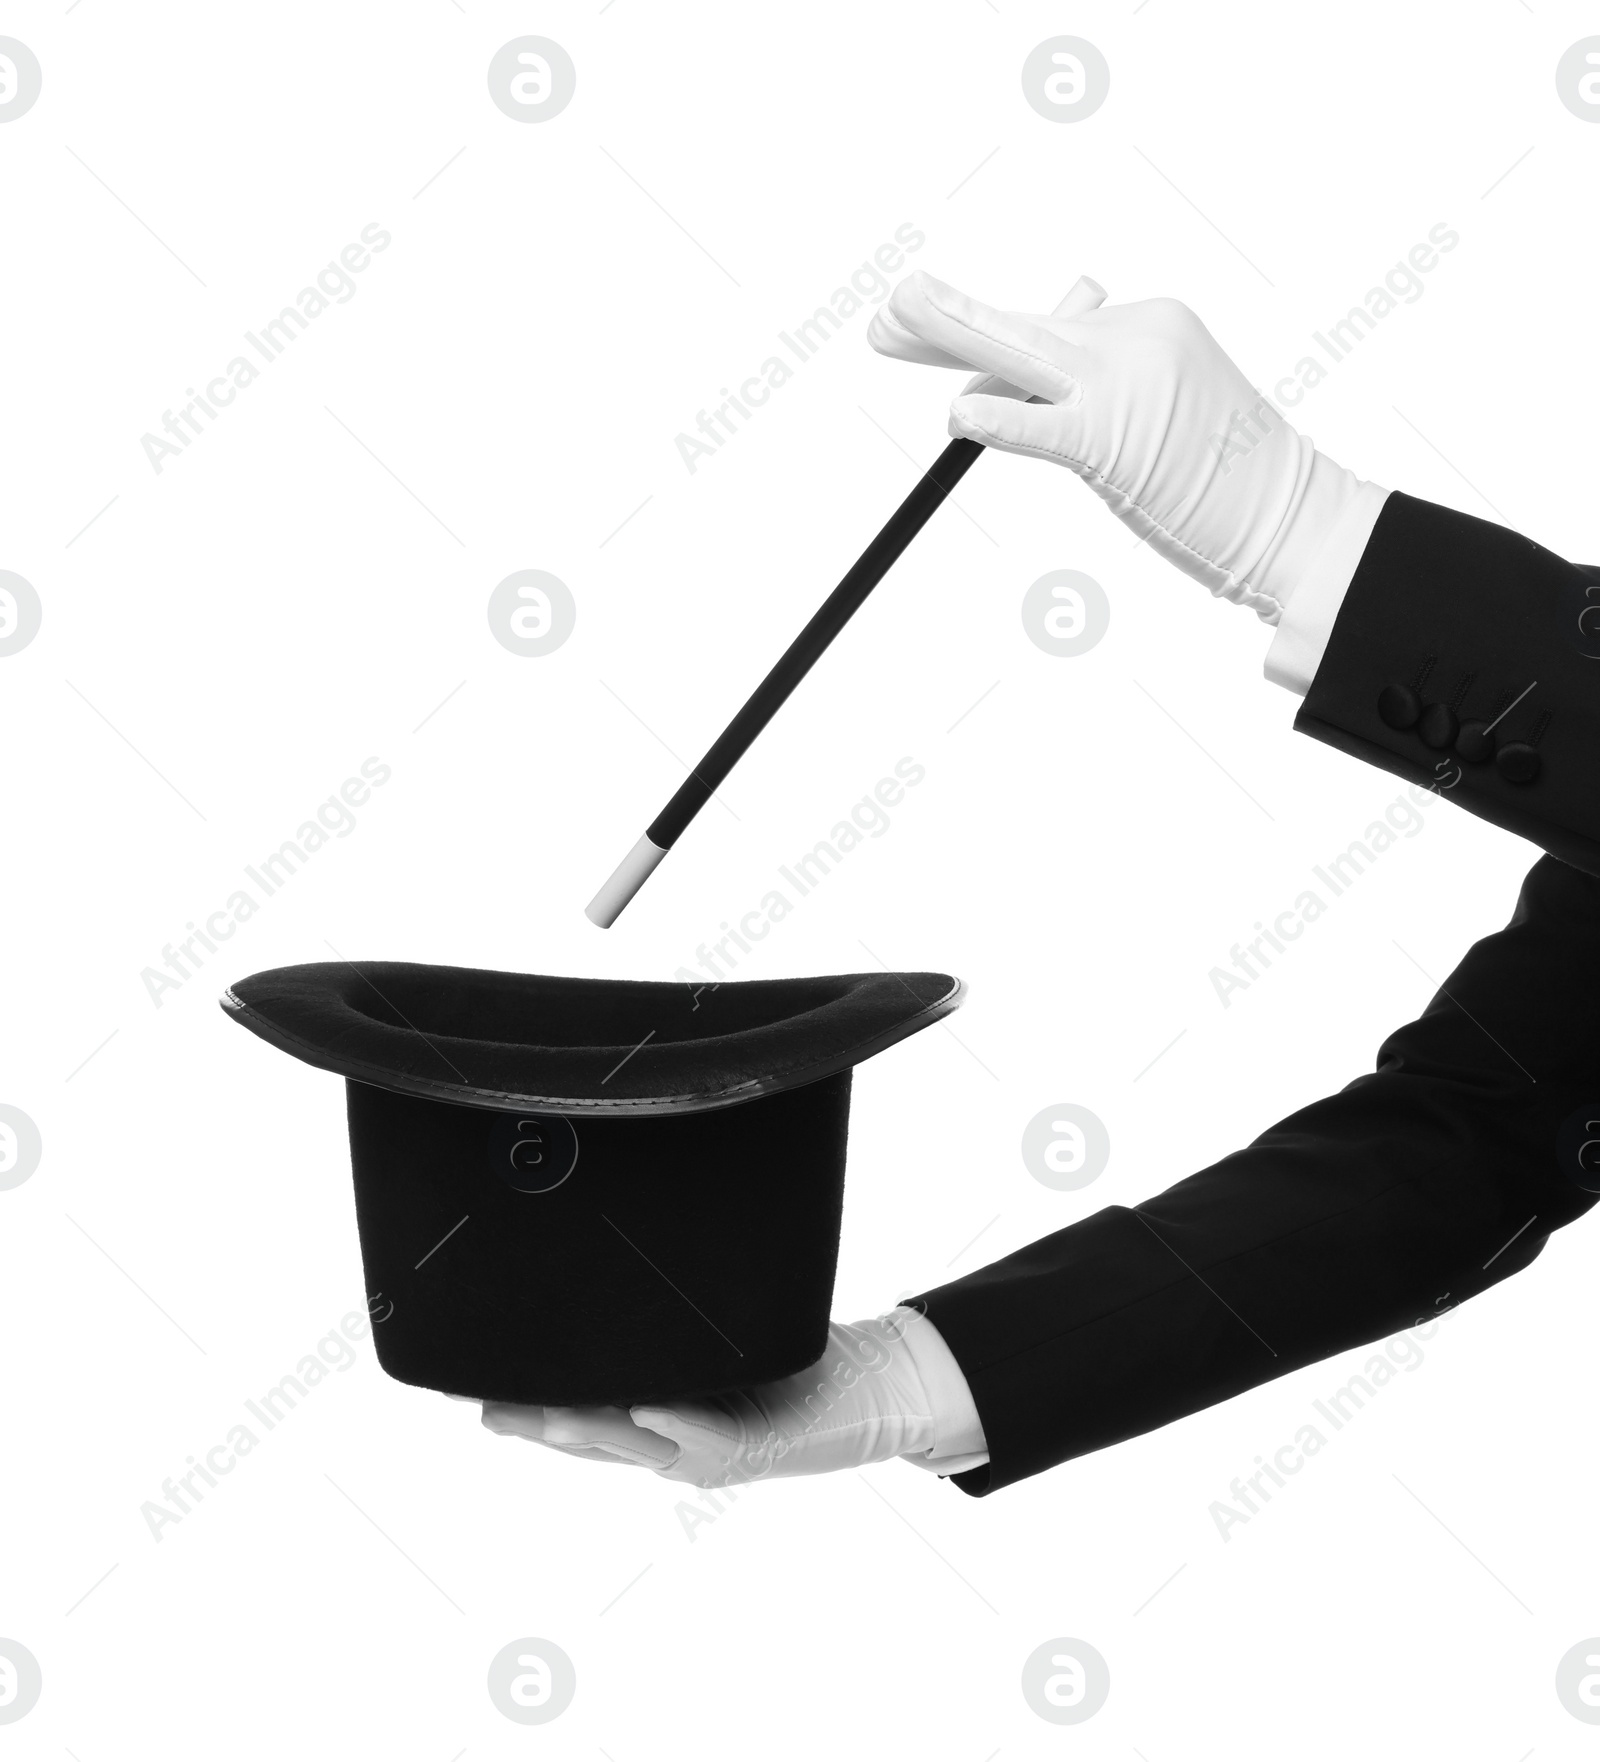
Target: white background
229,639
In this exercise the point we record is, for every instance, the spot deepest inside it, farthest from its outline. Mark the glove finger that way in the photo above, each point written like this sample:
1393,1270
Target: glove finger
596,1454
599,1434
608,1428
716,1439
991,385
507,1420
890,337
1041,431
1015,345
695,1425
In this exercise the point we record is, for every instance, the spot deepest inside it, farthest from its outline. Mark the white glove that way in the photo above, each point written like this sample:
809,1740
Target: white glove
1142,404
864,1401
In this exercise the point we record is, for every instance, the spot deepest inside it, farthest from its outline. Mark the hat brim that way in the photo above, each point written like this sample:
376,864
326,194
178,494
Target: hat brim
581,1047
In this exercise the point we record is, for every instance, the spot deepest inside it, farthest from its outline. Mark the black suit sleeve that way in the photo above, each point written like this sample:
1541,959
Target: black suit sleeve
1417,1186
1466,658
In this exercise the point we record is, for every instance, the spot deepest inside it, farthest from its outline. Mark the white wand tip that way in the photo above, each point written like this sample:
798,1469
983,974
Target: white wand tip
626,880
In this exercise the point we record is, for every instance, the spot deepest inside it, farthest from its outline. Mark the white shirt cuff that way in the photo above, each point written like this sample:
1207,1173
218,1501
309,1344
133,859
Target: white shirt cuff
958,1442
1306,624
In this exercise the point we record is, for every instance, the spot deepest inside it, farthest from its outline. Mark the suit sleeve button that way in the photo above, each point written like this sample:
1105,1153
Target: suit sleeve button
1475,743
1438,726
1517,762
1399,706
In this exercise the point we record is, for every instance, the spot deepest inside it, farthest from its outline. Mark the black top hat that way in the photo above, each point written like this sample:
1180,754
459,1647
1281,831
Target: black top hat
575,1191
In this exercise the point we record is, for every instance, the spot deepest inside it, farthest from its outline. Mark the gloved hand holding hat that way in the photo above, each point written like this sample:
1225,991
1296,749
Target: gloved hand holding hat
885,1387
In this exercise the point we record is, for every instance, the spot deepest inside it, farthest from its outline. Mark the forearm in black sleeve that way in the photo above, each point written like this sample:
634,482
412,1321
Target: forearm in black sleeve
1410,1190
1467,658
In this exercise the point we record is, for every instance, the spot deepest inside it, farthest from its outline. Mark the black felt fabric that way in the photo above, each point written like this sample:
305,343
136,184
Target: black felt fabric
1367,1213
1493,628
681,1257
581,1046
688,1249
